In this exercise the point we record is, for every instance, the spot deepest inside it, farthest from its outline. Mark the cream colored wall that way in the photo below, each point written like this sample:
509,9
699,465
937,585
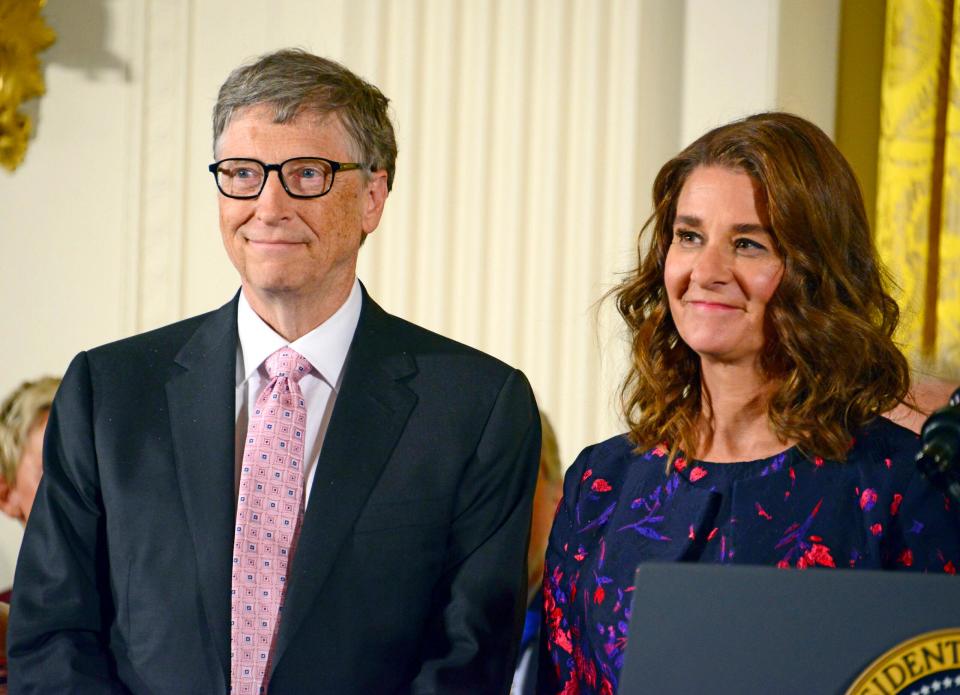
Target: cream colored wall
529,134
744,56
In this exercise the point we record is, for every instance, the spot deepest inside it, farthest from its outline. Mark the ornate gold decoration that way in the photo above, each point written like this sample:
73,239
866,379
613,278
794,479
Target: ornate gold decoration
932,657
23,34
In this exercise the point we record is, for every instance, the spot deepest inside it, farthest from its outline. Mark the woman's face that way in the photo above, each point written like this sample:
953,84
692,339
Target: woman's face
30,469
722,267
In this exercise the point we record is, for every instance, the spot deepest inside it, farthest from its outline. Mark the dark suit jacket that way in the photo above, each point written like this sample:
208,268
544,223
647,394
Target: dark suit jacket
409,572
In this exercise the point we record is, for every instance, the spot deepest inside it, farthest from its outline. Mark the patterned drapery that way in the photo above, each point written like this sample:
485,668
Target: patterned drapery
918,201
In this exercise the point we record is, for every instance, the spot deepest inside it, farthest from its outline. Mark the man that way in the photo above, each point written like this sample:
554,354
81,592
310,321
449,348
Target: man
191,534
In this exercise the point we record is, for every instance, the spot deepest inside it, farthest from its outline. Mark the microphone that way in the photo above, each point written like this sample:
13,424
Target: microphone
939,457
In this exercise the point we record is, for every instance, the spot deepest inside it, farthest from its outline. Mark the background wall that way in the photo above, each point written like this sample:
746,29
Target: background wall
529,134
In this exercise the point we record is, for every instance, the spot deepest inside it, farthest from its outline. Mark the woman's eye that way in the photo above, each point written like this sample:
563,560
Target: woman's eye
749,244
686,237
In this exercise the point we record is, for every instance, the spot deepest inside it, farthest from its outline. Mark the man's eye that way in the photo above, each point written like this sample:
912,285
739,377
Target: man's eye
243,173
305,172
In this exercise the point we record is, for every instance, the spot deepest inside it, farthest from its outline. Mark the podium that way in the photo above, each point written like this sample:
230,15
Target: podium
737,629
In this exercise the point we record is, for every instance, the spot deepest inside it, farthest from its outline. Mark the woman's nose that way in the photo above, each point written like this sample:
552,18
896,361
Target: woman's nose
712,265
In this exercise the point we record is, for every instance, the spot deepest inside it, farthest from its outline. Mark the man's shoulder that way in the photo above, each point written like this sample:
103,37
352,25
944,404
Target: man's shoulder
396,334
165,341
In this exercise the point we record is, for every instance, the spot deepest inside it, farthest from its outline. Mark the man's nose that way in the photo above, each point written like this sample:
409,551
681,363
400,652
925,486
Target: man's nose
712,265
273,203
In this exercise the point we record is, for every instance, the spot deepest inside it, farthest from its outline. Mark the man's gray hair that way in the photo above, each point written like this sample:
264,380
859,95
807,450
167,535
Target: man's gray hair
293,81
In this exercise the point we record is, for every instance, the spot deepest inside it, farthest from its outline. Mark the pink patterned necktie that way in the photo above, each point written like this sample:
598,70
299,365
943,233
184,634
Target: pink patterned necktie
269,511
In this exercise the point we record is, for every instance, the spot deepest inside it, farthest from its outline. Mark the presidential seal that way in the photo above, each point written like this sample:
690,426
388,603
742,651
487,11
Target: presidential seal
924,665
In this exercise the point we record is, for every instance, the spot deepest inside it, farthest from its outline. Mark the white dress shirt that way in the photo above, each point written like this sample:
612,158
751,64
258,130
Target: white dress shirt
325,347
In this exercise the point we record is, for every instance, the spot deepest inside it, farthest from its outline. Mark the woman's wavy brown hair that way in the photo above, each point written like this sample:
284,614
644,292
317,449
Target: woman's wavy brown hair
829,325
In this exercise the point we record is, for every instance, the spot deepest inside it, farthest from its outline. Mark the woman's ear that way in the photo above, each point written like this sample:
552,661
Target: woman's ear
8,500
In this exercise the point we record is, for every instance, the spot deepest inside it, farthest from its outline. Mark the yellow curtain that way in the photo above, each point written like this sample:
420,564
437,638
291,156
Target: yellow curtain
918,198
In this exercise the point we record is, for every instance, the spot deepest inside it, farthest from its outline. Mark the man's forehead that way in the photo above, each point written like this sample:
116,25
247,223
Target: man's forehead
306,121
304,116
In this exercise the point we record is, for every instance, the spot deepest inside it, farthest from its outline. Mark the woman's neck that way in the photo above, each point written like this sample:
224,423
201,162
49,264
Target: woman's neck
736,426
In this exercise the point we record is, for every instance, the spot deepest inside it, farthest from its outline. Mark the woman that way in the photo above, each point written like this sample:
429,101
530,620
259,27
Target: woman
762,358
23,420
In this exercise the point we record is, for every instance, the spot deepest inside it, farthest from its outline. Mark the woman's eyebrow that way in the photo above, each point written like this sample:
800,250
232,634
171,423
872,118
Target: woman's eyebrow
691,220
748,228
741,228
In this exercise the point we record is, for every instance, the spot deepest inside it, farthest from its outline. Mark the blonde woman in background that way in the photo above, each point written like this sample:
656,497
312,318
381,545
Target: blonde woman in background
23,419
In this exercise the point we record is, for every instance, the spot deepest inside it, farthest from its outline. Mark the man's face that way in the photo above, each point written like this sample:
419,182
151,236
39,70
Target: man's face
286,248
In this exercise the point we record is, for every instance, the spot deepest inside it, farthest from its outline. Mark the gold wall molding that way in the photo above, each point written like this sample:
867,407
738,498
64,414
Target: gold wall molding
23,35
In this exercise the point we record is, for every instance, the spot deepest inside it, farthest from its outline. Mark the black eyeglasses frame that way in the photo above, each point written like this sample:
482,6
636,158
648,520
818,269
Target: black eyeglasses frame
267,168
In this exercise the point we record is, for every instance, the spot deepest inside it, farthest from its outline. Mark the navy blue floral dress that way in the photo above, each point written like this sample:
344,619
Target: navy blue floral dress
619,509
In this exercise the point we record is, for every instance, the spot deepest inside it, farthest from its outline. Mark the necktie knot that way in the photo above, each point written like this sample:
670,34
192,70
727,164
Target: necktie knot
287,362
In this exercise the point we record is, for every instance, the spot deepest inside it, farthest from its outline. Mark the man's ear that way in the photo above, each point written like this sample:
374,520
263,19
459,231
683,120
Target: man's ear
374,196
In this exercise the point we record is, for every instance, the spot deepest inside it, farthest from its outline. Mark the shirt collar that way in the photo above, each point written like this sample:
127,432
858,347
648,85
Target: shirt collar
325,347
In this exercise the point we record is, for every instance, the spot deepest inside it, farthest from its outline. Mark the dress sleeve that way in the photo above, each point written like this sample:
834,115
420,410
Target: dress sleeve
928,532
559,589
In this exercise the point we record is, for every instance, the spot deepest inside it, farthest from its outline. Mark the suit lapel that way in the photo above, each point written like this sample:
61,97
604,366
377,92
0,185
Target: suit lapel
370,413
202,419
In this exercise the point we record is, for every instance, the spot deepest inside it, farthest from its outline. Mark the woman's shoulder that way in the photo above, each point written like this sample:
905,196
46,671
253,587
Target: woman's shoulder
616,447
882,457
606,466
616,453
884,441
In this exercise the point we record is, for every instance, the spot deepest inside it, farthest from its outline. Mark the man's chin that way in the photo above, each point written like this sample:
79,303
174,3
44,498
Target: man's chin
272,287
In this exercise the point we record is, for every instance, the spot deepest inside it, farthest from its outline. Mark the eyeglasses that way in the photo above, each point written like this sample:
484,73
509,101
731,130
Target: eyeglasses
301,177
